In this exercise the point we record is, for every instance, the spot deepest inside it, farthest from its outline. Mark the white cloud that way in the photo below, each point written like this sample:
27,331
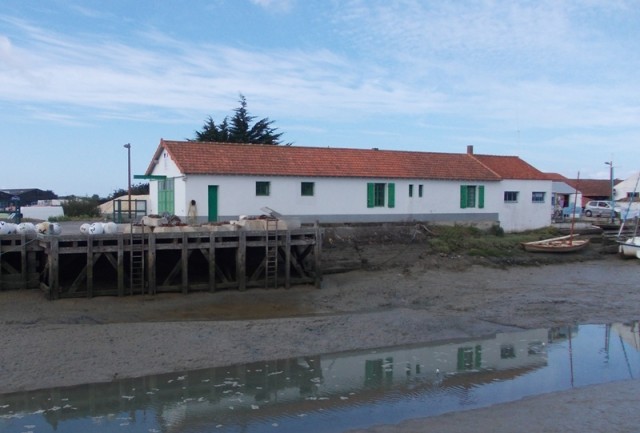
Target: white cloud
275,5
483,62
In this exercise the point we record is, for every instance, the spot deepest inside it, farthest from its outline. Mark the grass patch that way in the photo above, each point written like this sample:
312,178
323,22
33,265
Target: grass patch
488,243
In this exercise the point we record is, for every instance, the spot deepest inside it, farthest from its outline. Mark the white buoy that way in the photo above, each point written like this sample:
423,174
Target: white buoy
24,228
7,228
55,228
96,229
84,228
110,227
43,228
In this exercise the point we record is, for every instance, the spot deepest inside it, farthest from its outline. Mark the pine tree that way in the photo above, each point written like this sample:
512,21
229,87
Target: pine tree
239,129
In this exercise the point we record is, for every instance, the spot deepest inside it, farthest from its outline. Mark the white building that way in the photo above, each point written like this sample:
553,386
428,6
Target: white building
628,188
211,182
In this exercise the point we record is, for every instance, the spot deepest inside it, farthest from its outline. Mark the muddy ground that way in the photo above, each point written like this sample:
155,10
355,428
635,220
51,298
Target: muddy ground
387,293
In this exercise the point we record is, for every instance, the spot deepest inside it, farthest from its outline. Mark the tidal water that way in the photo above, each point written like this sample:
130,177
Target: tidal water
339,391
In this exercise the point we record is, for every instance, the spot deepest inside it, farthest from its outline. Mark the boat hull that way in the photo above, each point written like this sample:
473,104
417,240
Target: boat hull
563,244
630,248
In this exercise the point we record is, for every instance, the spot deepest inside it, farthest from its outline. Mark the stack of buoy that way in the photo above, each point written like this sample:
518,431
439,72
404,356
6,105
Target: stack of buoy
44,228
99,228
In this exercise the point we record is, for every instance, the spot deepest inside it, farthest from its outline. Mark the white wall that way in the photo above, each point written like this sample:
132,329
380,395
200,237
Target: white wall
524,214
332,197
41,212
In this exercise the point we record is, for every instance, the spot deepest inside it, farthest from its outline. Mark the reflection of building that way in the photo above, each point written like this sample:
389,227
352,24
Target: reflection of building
251,393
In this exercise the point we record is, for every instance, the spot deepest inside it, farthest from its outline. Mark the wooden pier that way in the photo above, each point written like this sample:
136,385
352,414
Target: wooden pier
150,262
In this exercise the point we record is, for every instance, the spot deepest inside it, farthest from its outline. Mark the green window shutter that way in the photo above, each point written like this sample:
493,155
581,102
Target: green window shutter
370,194
463,196
392,194
478,357
171,202
460,358
481,196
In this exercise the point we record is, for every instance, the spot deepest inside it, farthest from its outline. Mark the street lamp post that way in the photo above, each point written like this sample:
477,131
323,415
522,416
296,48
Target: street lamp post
128,147
613,213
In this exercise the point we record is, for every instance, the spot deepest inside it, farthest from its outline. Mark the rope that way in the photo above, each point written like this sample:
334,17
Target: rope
3,252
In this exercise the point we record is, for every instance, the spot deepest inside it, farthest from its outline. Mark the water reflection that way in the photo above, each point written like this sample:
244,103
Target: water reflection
336,392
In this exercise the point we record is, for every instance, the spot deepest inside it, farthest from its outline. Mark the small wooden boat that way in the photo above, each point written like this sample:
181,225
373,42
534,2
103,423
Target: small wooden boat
562,244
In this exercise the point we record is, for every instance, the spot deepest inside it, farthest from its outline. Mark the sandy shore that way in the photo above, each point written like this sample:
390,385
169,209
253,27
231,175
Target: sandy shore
76,341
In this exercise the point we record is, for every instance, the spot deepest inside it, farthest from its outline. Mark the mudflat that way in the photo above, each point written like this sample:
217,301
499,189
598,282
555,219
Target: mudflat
400,297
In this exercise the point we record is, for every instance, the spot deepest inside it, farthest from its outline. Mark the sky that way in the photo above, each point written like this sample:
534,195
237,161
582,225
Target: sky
554,82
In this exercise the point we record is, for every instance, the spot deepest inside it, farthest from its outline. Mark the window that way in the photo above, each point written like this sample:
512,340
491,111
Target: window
306,189
469,358
262,188
632,194
511,196
420,190
378,192
410,190
507,351
537,196
166,194
471,196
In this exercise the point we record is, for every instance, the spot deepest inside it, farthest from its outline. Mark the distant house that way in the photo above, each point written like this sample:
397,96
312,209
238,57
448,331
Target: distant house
628,189
28,196
593,189
35,203
212,182
563,194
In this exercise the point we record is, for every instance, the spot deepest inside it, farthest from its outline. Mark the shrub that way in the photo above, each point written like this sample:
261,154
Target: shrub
81,207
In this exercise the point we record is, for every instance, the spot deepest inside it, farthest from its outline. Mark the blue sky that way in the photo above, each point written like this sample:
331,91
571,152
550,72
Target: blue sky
554,82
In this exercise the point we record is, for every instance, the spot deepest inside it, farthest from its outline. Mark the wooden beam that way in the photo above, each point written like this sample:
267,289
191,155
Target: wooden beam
317,253
120,265
54,261
212,262
185,263
89,268
23,260
241,262
152,256
287,260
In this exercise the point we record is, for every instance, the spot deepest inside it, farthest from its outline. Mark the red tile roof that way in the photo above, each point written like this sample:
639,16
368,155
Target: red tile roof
511,167
269,160
592,187
556,176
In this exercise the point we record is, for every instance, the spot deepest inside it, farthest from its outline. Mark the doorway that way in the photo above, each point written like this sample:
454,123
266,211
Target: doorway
213,203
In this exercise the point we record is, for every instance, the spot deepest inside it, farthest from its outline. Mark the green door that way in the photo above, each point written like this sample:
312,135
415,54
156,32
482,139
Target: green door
213,203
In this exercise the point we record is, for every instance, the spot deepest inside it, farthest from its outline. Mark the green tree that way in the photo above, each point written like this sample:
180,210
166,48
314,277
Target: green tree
239,129
136,189
81,207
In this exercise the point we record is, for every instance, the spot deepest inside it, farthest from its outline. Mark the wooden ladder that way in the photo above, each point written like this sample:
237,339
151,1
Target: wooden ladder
271,254
136,262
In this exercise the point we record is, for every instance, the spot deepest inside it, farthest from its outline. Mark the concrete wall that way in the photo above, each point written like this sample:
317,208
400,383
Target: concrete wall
41,212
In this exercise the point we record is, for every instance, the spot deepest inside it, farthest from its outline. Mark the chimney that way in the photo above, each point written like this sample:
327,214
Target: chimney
470,149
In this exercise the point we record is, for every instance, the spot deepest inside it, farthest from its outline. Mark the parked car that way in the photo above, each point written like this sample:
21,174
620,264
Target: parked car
599,208
570,212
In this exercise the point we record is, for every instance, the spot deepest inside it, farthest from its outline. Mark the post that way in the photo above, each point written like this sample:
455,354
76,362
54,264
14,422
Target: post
611,199
128,147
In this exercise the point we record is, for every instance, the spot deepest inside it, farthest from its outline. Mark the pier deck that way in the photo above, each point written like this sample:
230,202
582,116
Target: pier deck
122,264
